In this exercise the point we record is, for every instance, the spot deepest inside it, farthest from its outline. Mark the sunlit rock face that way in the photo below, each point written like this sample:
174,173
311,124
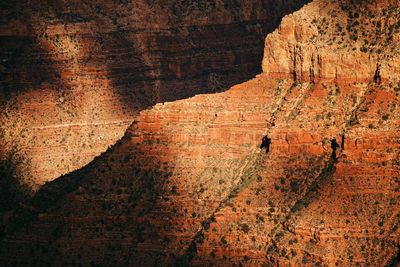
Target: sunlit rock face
189,185
75,74
338,40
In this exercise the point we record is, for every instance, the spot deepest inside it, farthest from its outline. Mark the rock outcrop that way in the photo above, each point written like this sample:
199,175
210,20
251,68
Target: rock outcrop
336,40
75,74
282,170
188,184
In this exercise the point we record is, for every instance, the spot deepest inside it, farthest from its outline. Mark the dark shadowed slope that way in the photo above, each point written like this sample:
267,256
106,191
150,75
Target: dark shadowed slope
74,74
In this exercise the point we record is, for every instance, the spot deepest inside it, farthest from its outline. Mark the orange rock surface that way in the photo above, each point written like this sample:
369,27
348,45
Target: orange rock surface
189,185
336,40
74,75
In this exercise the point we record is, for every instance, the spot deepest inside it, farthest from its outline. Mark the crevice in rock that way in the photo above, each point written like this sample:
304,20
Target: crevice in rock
377,75
304,93
325,174
247,176
312,73
319,60
334,146
266,143
279,107
311,192
342,141
294,64
361,106
299,74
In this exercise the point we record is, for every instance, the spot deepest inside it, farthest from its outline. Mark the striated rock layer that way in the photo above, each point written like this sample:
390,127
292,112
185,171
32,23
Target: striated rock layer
189,185
75,74
339,40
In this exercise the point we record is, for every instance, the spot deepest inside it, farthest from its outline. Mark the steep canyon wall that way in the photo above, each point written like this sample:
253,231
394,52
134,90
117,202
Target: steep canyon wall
75,74
189,185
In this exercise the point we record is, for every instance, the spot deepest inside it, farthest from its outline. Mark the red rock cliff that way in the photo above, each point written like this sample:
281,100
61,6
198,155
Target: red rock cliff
336,40
75,74
189,185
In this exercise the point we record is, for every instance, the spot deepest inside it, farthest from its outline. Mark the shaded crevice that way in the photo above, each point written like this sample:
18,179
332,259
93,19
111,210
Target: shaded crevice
265,144
342,141
312,72
303,95
294,64
334,146
312,192
361,106
281,104
247,177
377,75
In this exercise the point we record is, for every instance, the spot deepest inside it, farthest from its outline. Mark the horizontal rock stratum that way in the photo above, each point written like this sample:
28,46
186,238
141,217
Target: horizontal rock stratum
281,170
336,40
75,74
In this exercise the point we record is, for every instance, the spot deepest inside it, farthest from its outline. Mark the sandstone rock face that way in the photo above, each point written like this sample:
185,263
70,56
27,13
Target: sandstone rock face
189,185
74,75
336,40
